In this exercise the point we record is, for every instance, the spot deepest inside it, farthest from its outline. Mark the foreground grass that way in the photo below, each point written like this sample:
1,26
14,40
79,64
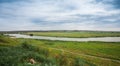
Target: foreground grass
81,34
106,50
101,49
18,52
21,53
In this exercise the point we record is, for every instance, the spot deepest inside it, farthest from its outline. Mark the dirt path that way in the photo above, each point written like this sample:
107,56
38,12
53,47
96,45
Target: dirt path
85,55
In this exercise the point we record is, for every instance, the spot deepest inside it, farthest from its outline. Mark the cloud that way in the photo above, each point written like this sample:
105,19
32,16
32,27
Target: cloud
59,15
115,3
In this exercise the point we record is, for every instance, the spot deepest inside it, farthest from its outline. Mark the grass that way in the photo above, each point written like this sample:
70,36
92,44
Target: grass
109,50
20,56
18,52
102,49
74,34
22,52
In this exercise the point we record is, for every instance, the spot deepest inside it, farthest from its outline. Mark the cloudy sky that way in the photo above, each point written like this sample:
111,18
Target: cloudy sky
60,15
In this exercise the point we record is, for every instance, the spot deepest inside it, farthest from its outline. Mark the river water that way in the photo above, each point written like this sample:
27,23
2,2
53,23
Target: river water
103,39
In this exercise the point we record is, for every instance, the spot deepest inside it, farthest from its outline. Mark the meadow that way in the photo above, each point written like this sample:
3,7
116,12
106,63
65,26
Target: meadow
76,34
18,52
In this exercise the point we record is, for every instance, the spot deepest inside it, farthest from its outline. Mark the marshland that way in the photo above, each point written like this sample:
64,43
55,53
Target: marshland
45,52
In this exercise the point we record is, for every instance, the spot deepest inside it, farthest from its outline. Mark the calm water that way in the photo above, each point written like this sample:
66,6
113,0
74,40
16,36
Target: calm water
105,39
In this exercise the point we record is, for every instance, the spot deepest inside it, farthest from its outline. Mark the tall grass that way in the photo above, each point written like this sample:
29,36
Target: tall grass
109,50
20,55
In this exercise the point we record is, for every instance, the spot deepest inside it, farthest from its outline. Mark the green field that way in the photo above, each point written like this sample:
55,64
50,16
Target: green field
82,34
18,52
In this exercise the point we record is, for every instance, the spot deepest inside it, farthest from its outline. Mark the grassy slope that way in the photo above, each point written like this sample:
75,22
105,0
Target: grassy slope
100,49
40,50
110,50
19,52
77,34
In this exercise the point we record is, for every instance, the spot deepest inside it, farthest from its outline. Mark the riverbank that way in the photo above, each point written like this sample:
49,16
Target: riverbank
76,34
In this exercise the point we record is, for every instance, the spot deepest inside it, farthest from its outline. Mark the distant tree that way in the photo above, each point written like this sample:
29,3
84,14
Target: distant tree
31,34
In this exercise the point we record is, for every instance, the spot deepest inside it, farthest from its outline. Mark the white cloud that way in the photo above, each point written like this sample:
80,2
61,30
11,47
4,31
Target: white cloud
75,14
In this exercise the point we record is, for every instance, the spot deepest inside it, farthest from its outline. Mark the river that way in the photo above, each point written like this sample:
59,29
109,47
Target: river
103,39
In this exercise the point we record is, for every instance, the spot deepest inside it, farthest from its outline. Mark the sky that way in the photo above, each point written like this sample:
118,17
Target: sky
60,15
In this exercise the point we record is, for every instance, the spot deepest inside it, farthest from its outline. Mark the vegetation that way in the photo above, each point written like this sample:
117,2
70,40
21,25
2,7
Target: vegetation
21,53
18,52
82,34
99,49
